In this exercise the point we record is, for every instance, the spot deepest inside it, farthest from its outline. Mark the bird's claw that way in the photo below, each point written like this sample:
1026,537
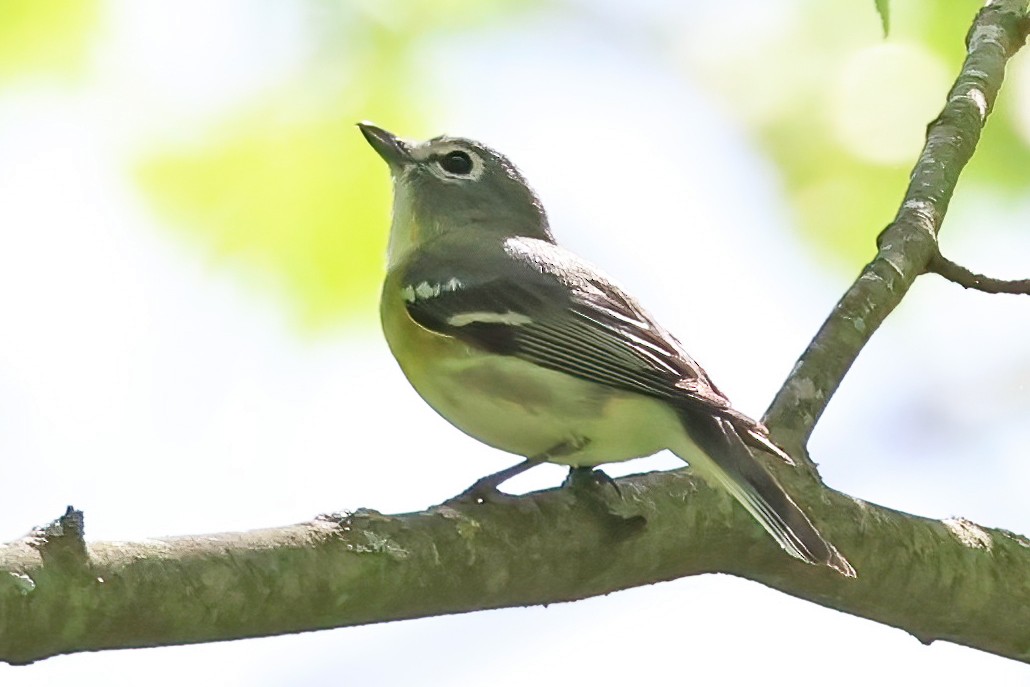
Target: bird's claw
589,478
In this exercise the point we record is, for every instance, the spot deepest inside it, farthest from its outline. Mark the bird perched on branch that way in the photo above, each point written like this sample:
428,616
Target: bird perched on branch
532,350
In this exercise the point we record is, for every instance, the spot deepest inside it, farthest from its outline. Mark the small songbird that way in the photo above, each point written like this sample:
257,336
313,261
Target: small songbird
530,349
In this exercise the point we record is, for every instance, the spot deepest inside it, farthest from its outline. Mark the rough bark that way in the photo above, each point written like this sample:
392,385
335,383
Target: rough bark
938,580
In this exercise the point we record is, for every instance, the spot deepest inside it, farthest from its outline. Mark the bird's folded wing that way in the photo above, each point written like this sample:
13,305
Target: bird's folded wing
585,327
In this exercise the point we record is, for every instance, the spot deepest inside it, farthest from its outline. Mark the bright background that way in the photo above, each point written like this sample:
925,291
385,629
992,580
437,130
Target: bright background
192,235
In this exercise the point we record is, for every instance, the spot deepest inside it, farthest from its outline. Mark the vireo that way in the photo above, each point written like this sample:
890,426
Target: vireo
530,349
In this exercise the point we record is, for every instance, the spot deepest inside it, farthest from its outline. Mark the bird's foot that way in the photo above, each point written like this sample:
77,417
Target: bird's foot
590,487
589,478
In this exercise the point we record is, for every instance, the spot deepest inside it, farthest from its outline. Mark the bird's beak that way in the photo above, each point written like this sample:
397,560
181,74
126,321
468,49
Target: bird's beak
392,149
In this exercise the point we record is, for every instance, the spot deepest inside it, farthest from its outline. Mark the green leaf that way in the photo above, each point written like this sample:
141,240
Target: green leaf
884,9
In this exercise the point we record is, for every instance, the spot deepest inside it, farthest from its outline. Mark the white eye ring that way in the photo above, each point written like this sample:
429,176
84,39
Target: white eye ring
457,164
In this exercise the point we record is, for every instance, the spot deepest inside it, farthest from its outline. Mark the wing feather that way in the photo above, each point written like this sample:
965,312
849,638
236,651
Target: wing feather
602,336
539,302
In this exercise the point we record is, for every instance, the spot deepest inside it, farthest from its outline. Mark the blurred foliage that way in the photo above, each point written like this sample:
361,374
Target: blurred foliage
842,111
36,35
302,201
284,188
289,185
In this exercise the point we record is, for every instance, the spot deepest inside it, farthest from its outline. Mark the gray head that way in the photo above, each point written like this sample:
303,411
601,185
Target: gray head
454,184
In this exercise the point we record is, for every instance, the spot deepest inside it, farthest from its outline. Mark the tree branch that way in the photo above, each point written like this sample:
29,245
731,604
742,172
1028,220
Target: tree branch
908,244
938,580
970,280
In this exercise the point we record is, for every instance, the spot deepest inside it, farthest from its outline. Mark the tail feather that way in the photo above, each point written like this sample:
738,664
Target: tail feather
731,464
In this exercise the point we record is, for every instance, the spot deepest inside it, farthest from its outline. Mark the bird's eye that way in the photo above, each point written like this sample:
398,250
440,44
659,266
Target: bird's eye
456,162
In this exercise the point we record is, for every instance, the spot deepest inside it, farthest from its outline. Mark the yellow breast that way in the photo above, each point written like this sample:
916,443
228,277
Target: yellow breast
518,407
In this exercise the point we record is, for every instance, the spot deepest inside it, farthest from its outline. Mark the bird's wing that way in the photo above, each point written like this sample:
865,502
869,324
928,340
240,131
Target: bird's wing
552,309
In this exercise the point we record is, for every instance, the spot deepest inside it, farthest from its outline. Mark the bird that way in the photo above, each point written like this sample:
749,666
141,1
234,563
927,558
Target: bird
532,350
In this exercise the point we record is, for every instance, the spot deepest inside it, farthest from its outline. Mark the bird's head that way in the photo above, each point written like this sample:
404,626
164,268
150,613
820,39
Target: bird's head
449,184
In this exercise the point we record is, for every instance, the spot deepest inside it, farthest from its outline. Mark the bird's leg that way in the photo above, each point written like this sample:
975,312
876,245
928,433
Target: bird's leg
485,489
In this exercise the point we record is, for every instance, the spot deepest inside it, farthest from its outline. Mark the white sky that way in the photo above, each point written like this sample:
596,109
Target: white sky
163,396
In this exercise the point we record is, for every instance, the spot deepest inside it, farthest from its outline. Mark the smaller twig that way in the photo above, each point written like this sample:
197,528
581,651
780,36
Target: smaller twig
907,246
970,280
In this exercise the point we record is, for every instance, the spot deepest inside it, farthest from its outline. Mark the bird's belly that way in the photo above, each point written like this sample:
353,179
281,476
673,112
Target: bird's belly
524,409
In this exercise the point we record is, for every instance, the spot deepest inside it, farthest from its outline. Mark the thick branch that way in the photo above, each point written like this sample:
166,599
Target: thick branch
953,581
971,280
907,245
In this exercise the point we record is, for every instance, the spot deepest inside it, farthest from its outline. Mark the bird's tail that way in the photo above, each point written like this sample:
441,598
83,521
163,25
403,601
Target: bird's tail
728,461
